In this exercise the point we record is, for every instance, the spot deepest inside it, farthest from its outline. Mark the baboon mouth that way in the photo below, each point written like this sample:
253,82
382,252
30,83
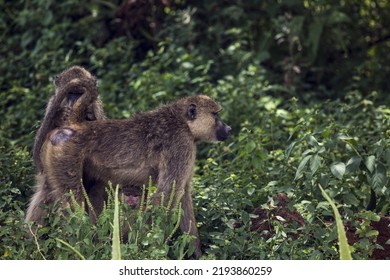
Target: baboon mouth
222,134
223,137
72,98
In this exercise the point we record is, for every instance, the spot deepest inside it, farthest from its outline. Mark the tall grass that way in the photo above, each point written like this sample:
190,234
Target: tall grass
345,252
116,249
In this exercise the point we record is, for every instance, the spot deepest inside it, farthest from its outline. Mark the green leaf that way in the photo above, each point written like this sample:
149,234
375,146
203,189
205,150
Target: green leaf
338,169
324,180
351,199
321,150
250,146
312,141
245,217
250,191
371,233
378,179
370,216
345,252
289,149
353,164
379,147
350,140
301,166
187,65
315,163
370,163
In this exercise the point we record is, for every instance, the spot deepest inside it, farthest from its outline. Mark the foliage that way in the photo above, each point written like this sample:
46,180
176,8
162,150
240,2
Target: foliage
303,84
148,232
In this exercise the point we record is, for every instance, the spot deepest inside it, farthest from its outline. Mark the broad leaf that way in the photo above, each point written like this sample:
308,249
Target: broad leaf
338,169
378,179
351,199
312,141
353,164
301,166
370,163
315,163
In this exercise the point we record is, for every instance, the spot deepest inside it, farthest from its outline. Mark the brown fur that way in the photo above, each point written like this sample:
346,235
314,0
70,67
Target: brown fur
74,85
160,144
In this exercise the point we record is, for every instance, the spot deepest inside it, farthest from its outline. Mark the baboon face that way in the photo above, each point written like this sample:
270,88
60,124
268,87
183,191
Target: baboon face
203,120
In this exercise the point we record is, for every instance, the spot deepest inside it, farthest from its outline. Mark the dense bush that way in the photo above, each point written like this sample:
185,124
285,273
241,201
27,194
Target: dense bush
303,85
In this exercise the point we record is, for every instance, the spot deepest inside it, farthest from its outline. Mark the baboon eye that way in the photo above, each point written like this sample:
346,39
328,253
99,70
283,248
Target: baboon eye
216,118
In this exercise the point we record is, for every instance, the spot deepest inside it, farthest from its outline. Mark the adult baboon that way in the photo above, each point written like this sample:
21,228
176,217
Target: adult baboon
72,85
160,144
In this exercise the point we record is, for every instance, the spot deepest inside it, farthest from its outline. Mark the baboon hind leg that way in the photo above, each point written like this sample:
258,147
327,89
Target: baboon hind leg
188,222
97,195
64,166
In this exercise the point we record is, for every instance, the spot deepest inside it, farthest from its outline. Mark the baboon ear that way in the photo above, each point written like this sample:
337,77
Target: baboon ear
192,111
56,80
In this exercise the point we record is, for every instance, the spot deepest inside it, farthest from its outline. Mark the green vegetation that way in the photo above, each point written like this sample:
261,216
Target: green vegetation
304,85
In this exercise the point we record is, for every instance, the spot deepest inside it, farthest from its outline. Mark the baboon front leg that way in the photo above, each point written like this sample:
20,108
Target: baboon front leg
182,189
177,179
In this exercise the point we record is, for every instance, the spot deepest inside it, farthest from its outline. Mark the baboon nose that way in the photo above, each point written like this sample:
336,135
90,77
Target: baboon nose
228,128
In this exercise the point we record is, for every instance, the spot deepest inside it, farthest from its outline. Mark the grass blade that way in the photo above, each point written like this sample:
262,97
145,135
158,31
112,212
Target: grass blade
71,247
116,249
345,253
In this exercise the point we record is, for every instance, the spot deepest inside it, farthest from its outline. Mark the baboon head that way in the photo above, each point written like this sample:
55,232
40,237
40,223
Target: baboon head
74,72
203,120
73,75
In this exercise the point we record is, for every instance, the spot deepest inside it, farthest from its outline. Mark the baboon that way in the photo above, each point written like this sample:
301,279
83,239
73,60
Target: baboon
159,144
132,200
72,85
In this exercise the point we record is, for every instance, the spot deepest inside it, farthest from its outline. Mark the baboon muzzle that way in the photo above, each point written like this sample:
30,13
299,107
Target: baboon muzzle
223,132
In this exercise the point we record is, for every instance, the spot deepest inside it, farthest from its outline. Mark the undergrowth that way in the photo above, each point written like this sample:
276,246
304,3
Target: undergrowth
307,107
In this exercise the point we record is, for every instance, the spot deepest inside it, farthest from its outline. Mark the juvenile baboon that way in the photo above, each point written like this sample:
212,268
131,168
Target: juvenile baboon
160,144
73,85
